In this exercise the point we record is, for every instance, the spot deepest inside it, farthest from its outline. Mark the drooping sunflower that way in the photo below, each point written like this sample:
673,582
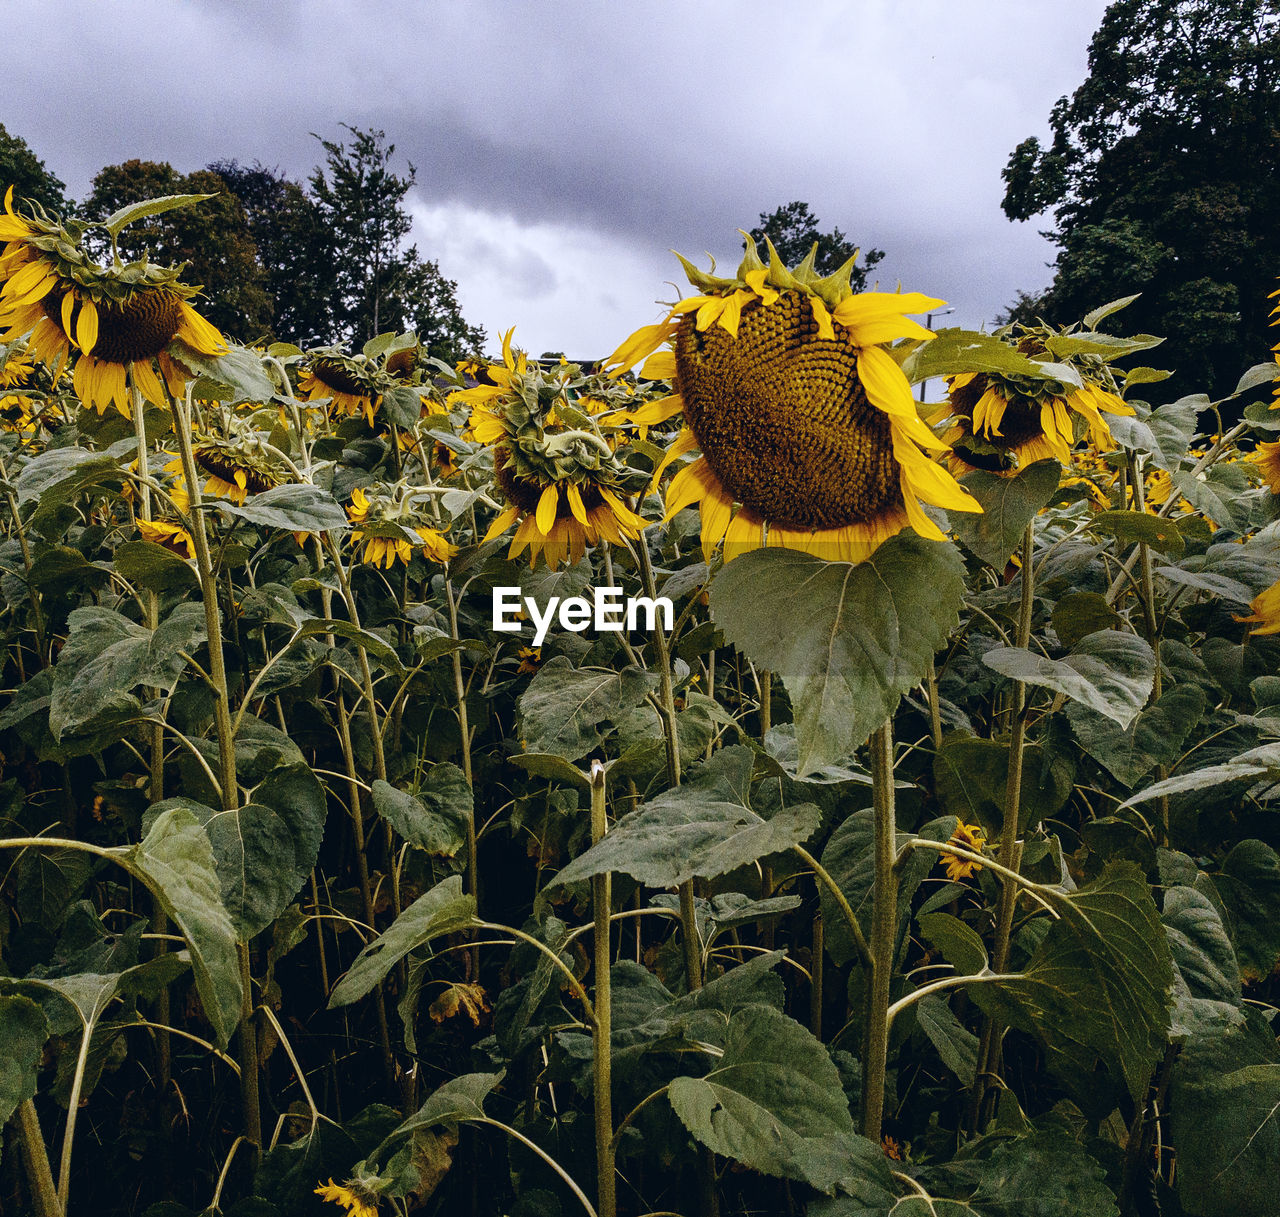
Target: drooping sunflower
393,525
808,433
966,836
356,1199
117,318
1003,421
238,465
555,456
351,382
1267,458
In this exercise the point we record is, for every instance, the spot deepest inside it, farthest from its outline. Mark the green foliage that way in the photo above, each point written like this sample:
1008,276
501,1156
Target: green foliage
794,231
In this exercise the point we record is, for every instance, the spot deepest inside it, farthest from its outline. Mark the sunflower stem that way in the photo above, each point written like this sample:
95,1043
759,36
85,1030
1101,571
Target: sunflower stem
39,1172
37,614
1010,851
884,923
247,1040
602,1048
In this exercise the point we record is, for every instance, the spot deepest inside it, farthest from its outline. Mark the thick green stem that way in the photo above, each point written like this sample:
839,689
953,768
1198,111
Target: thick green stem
601,901
884,924
464,731
246,1038
39,1173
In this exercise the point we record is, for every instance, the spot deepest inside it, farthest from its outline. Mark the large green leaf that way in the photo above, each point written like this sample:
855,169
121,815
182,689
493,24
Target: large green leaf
176,861
848,641
566,711
107,656
954,1042
442,910
1045,1174
435,818
700,830
971,777
1249,887
1008,503
1207,977
1154,738
1219,494
1108,671
773,1101
23,1031
1255,763
1098,984
297,508
1225,1125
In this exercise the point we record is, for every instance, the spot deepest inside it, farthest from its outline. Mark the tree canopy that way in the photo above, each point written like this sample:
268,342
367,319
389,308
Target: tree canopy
1162,173
793,229
25,172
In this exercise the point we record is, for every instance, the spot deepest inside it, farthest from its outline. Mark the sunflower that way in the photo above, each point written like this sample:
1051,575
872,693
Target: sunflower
808,433
392,527
173,537
1004,421
117,318
1267,458
25,402
358,1200
353,383
555,456
530,660
237,465
966,836
1266,611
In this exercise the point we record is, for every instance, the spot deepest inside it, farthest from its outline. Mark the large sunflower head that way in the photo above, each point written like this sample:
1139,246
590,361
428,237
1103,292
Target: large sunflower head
394,522
116,318
808,433
555,433
1059,391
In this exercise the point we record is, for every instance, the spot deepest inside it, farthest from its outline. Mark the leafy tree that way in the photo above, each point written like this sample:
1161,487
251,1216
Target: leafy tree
296,250
1162,173
25,172
793,229
382,285
213,239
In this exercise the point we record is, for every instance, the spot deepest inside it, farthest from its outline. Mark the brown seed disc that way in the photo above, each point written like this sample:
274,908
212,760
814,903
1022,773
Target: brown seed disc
783,420
137,329
403,362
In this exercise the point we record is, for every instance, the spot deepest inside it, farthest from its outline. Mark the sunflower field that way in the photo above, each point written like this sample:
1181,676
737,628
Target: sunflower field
802,764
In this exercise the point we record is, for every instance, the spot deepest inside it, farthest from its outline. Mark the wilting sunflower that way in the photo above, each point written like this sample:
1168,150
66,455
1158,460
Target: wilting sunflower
350,382
118,318
554,459
392,526
808,433
1266,611
237,464
356,1199
1003,421
530,660
966,836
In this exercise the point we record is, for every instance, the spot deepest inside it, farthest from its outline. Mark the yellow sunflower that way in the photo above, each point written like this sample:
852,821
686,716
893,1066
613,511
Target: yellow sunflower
351,382
966,836
1002,422
555,461
117,318
1266,611
808,433
1267,458
530,660
173,537
357,1200
236,465
392,527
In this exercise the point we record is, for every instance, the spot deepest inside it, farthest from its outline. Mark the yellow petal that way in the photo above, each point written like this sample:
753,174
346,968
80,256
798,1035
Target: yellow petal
823,318
661,365
87,326
502,523
876,317
547,507
574,496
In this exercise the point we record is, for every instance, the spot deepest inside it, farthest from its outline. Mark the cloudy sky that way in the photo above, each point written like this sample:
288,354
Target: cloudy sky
564,148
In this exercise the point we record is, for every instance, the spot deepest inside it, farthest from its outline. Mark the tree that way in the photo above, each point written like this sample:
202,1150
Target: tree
382,285
793,229
1163,173
25,172
212,238
296,250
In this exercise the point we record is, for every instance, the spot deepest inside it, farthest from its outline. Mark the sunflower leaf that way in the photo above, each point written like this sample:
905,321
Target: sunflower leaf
23,1031
294,507
1108,671
847,641
1007,505
119,220
435,818
568,712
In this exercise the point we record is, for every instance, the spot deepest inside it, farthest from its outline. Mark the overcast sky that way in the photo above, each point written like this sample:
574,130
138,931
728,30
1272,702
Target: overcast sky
563,148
